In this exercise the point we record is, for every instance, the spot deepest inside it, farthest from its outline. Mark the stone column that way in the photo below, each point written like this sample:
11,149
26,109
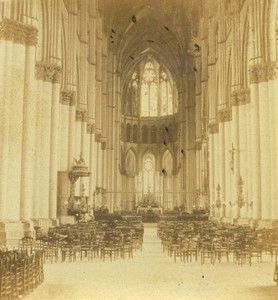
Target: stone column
54,135
224,115
29,135
241,99
45,141
99,164
255,143
92,162
265,151
235,162
228,177
243,159
250,174
213,129
37,156
72,117
16,103
273,110
5,84
216,172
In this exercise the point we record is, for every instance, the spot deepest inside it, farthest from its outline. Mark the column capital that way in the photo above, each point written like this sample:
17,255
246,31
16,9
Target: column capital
57,77
240,97
263,72
68,97
81,115
91,128
225,115
18,32
48,72
213,127
273,70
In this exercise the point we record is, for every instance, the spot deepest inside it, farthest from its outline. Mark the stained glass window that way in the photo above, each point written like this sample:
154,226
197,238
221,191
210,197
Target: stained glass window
148,173
166,95
154,89
149,91
132,96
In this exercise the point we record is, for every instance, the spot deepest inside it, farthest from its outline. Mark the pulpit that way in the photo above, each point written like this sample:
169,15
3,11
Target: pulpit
77,205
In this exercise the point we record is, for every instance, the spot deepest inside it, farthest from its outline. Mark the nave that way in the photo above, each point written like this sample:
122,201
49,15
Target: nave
152,274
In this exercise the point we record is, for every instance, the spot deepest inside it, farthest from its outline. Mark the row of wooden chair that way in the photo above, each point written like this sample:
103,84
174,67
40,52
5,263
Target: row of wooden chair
213,241
20,273
113,239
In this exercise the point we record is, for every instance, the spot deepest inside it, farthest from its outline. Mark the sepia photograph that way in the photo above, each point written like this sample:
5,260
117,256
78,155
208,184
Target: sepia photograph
139,149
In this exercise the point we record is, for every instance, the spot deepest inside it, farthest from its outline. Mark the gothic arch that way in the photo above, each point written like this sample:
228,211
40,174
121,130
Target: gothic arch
144,134
128,133
123,133
135,133
151,152
153,134
130,161
168,161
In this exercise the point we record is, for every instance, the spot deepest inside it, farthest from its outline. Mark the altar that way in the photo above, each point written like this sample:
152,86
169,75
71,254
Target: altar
141,210
149,205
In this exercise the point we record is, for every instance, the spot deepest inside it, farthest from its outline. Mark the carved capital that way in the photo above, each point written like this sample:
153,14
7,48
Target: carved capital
57,77
98,138
19,33
258,73
48,72
85,116
273,71
225,115
67,97
213,127
263,72
7,29
32,36
91,128
81,115
240,97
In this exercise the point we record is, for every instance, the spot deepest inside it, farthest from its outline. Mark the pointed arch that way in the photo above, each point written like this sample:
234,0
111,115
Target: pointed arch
153,134
168,161
144,134
148,172
135,133
130,161
128,132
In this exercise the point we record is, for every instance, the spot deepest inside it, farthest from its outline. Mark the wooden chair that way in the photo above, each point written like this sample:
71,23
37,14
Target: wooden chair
207,251
19,278
192,250
221,249
68,251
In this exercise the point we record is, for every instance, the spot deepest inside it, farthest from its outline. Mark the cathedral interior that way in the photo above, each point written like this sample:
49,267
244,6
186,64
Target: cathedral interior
153,115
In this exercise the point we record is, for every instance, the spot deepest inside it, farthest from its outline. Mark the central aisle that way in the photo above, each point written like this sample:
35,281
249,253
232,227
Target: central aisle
152,275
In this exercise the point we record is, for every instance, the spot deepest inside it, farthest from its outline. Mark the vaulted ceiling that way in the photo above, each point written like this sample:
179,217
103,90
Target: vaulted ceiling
159,27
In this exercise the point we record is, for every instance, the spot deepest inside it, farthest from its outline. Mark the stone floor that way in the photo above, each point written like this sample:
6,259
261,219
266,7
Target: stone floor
152,275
